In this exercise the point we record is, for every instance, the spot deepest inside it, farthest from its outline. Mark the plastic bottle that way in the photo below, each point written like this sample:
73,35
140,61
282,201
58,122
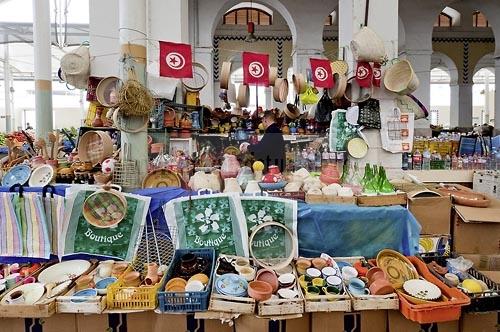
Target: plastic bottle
447,162
417,160
318,161
454,162
426,159
325,156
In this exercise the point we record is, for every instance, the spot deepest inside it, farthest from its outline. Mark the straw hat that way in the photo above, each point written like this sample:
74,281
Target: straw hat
299,83
280,90
292,111
356,94
243,95
339,87
273,74
225,73
107,91
339,67
410,104
400,78
367,46
76,62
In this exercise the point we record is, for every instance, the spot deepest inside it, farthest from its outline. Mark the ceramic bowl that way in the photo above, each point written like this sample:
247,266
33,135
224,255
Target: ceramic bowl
194,286
381,287
272,186
101,285
268,276
452,278
313,272
16,175
231,284
472,286
334,281
178,282
84,293
287,293
286,280
328,272
375,273
41,176
348,272
260,290
203,278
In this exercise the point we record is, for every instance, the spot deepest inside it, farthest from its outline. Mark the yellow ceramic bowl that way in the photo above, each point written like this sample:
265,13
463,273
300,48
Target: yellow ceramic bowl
258,166
203,278
175,282
319,282
472,286
304,281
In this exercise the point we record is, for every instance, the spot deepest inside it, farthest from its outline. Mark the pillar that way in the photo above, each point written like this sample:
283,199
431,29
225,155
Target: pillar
497,94
464,116
301,56
43,67
132,23
421,63
6,81
210,93
383,19
454,104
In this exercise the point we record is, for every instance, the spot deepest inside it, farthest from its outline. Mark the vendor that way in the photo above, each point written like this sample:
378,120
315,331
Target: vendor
271,148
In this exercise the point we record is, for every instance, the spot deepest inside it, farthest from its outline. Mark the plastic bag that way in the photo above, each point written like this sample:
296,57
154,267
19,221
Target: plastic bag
324,109
309,97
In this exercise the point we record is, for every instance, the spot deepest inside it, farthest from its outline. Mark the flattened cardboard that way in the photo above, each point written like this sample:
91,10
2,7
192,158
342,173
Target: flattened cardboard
433,213
476,238
492,275
479,322
484,262
374,320
490,214
326,322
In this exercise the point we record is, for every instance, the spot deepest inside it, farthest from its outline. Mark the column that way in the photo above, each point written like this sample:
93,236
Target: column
43,67
6,81
454,104
497,94
464,116
383,19
210,93
421,63
132,23
301,56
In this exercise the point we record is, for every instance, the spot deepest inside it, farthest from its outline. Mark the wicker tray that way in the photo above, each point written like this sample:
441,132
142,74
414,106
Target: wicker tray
226,303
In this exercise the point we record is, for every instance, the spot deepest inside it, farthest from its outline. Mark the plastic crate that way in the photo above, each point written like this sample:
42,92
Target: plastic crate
433,312
186,301
483,302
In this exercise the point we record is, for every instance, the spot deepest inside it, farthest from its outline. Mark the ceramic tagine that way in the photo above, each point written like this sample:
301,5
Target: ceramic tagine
230,166
330,174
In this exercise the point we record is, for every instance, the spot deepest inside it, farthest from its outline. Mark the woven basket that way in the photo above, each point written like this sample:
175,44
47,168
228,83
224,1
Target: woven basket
356,94
95,146
280,90
76,62
299,83
339,87
243,95
400,78
106,88
225,73
367,46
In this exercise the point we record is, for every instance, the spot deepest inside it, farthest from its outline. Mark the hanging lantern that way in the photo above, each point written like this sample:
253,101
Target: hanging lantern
250,29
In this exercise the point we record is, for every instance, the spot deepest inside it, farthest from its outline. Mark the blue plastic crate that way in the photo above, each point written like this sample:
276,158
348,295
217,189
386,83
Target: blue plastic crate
186,301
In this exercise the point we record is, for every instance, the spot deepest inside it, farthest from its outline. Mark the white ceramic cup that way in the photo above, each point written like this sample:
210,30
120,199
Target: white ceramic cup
240,262
328,271
105,269
16,297
12,279
247,272
348,272
334,281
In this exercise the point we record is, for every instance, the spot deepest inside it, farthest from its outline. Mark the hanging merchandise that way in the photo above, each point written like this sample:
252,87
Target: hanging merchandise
299,83
291,111
103,223
175,60
321,73
397,130
369,114
134,99
243,95
53,205
367,46
324,108
273,75
410,104
280,90
377,74
225,75
339,87
339,67
309,97
364,74
198,81
107,91
340,131
255,68
75,67
11,241
400,78
204,221
356,93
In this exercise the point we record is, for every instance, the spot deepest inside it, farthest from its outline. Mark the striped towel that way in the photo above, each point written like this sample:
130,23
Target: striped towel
10,230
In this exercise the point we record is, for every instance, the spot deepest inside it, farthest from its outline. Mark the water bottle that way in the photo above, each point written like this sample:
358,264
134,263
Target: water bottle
447,162
426,160
417,160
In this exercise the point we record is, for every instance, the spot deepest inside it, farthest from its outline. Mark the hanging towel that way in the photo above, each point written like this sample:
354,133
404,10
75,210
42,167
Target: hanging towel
11,235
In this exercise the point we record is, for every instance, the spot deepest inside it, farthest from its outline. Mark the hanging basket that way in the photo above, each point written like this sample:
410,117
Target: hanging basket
107,91
400,78
76,62
225,73
280,90
243,95
134,99
367,46
273,74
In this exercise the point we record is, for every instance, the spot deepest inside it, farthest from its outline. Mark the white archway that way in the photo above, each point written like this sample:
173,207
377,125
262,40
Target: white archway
444,90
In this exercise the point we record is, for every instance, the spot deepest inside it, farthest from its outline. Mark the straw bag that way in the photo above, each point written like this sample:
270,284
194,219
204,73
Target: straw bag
75,67
400,78
410,104
369,114
367,46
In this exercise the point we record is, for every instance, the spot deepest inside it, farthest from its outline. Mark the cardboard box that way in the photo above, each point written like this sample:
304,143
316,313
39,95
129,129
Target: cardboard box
365,321
492,275
477,230
479,322
399,323
433,213
484,262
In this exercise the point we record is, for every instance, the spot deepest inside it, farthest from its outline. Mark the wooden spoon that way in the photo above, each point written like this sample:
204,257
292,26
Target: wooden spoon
43,146
52,140
10,145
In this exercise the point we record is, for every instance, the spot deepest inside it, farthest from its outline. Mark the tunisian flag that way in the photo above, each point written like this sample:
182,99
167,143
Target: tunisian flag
175,60
322,73
255,68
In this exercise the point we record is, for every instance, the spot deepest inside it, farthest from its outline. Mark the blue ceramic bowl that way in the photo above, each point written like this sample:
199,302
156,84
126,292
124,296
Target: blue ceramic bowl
231,284
272,186
16,175
84,293
101,285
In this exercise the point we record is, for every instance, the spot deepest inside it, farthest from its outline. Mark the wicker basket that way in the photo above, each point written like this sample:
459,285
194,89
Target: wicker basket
367,46
95,146
400,78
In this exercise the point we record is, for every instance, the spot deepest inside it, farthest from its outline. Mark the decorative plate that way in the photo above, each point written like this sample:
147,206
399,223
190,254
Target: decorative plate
32,293
416,300
63,271
422,289
357,148
84,293
16,175
231,284
41,176
396,266
105,208
161,178
232,150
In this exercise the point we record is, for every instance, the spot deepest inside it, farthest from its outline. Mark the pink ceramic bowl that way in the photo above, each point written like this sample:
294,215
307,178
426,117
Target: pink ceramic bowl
381,287
375,273
269,277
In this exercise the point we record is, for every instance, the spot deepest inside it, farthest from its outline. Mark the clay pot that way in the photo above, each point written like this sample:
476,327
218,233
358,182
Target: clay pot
381,287
152,276
375,273
169,118
330,174
260,290
132,279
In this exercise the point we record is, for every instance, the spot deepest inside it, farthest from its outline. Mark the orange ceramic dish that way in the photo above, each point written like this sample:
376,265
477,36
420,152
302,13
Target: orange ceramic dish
465,197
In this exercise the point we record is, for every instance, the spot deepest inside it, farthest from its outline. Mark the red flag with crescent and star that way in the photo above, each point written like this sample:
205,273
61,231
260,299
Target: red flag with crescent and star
322,73
255,68
175,60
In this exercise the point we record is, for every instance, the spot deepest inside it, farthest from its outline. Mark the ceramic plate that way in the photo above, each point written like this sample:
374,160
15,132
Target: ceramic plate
63,271
32,293
231,284
357,148
84,293
16,175
41,176
102,284
161,178
422,289
396,266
